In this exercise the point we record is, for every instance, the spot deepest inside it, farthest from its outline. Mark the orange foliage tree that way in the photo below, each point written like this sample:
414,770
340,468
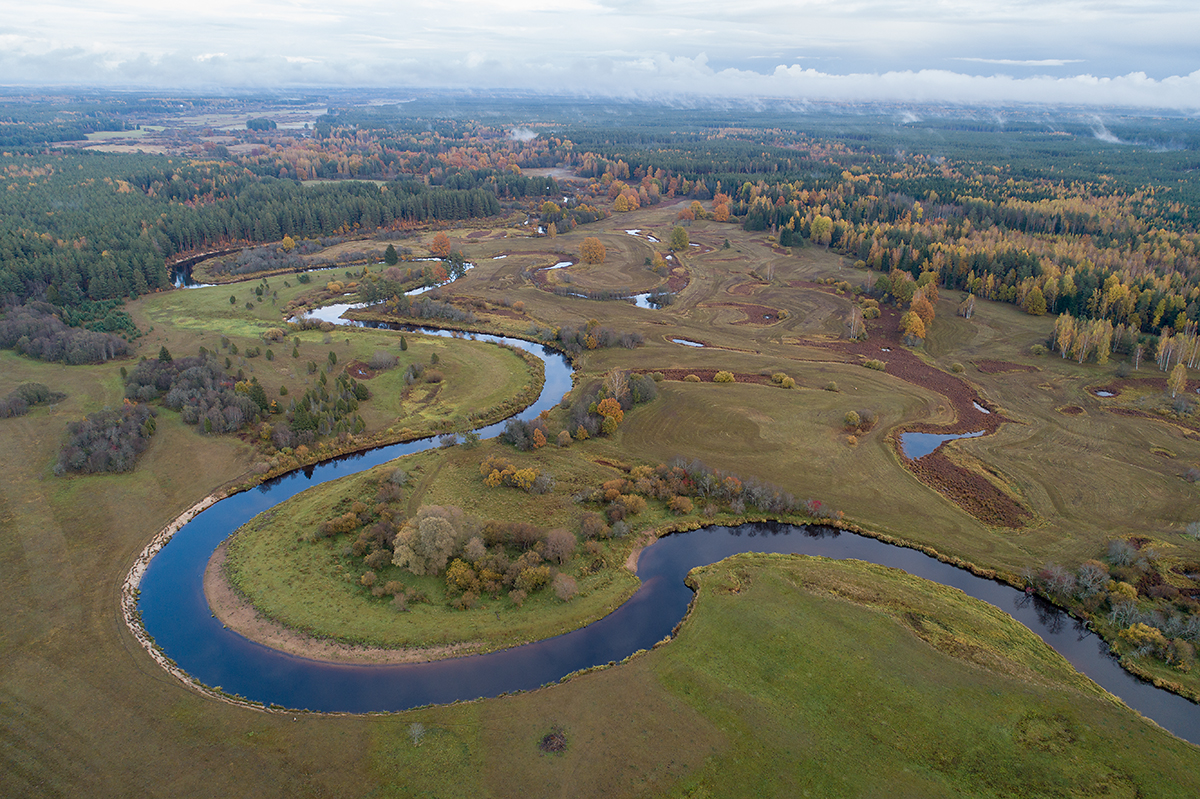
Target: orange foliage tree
440,246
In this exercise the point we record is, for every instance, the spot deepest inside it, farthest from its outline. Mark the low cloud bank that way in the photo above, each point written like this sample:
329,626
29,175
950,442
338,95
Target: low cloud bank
647,77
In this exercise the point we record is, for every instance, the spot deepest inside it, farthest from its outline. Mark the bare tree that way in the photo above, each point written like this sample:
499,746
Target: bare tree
617,384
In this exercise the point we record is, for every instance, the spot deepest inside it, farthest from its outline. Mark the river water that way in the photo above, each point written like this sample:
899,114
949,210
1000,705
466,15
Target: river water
175,612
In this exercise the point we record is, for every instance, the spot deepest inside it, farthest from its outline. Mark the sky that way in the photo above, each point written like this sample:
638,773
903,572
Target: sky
1088,52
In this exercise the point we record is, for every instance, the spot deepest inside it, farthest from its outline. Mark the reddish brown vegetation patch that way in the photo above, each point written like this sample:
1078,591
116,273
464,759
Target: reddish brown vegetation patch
506,312
971,491
1136,414
554,742
677,282
755,314
1071,410
1119,385
359,370
990,367
746,288
478,234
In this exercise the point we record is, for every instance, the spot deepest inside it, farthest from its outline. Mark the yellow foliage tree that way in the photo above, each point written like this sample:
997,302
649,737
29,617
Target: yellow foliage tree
912,326
592,250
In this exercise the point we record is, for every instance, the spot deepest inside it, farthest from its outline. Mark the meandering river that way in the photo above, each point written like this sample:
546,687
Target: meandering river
174,610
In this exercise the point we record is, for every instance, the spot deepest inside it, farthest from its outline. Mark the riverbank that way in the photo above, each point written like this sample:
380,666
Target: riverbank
237,614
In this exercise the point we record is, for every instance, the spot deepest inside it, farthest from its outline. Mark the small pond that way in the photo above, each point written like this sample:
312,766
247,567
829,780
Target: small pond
686,342
979,407
918,445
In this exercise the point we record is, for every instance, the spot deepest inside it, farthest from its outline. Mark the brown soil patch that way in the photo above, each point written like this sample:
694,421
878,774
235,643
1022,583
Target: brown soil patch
478,234
755,314
359,370
990,367
240,616
1071,410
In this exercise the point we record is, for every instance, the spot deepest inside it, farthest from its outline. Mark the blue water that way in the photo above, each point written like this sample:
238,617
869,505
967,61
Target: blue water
918,445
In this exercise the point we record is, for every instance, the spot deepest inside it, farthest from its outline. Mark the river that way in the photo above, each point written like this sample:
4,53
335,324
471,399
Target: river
174,610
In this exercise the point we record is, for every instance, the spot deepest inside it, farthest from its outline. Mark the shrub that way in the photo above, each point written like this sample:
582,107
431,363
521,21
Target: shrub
564,587
564,438
382,361
851,420
593,526
1038,349
1121,552
724,377
957,368
23,397
691,379
681,505
879,366
788,383
831,386
560,545
533,578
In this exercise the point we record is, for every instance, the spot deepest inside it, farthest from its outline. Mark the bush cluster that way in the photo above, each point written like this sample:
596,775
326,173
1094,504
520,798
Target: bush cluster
682,485
25,396
1128,591
203,393
473,558
497,471
575,340
34,330
107,440
425,307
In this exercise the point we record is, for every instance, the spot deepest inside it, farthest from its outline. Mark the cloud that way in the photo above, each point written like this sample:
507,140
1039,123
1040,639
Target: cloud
1009,62
618,73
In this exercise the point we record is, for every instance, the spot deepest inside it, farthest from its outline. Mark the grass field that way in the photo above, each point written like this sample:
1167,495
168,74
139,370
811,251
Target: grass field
813,677
789,685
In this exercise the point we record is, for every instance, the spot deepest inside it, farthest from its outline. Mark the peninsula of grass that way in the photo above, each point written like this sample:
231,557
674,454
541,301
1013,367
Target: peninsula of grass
313,585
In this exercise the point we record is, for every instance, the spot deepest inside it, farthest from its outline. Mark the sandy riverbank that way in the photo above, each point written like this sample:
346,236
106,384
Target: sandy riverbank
241,617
